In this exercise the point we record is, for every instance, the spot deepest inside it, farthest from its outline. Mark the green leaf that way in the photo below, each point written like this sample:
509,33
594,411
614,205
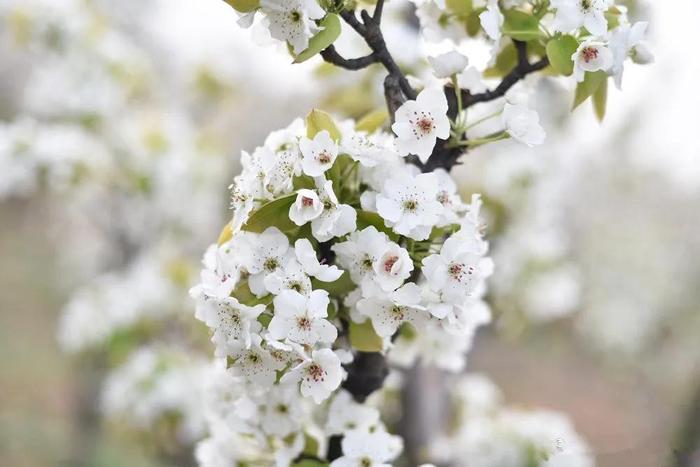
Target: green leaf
559,52
303,182
372,121
521,26
310,463
588,87
473,23
363,337
324,38
461,8
600,100
506,60
339,171
243,294
273,214
366,219
244,6
338,288
317,121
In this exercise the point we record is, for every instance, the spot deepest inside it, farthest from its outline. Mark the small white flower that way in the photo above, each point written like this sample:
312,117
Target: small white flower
255,363
306,255
455,272
523,124
318,376
231,321
263,255
448,64
364,449
306,207
471,80
344,414
591,56
628,41
419,123
281,411
319,154
492,20
335,219
368,150
389,312
448,196
572,14
410,205
359,253
289,277
292,20
393,266
302,319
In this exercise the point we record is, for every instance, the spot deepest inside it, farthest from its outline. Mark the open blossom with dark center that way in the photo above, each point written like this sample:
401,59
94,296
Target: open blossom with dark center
410,205
292,20
318,376
573,14
591,55
319,153
302,319
390,311
421,122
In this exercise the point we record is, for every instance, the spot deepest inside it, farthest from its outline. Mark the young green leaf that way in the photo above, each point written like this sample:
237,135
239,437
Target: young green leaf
225,235
338,288
559,52
600,100
244,6
461,8
521,26
273,214
364,338
324,38
372,121
588,87
317,121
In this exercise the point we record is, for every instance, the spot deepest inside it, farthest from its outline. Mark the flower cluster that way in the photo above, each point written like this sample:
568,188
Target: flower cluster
337,245
487,433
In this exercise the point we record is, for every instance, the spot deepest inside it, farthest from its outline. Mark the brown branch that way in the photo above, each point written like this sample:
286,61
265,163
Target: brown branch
521,70
332,56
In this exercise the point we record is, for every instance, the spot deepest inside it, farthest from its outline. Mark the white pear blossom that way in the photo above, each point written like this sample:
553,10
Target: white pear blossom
390,311
254,363
231,321
448,196
419,123
448,64
393,267
319,154
292,20
573,14
306,255
492,20
410,205
523,124
368,150
302,319
335,219
291,276
368,449
455,272
281,411
359,253
318,376
263,255
306,207
591,55
344,414
628,41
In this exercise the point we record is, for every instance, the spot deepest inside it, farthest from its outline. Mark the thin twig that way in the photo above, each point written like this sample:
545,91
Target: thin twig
521,70
331,55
